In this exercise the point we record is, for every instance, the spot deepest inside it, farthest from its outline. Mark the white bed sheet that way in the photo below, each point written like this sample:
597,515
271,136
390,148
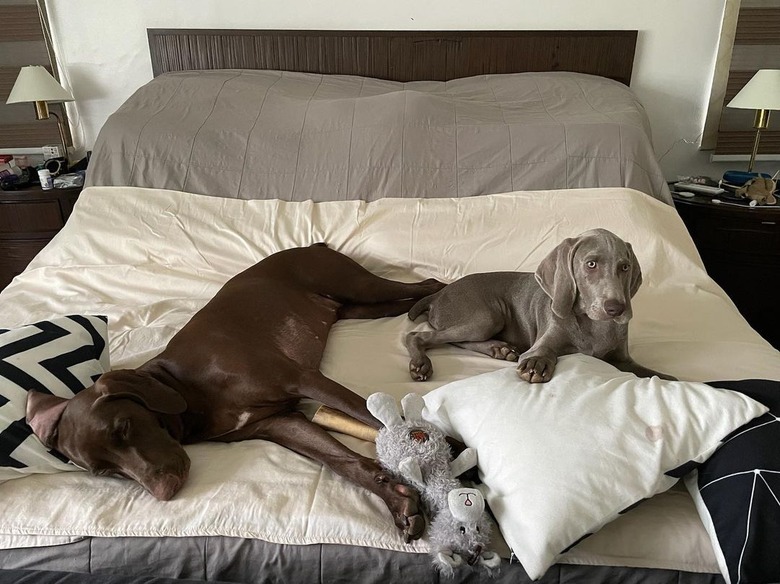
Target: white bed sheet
148,259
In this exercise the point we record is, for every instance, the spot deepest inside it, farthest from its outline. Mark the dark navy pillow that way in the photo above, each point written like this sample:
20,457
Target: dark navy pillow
60,356
737,491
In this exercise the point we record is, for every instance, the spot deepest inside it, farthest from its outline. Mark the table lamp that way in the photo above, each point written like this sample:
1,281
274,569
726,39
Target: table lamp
35,84
761,93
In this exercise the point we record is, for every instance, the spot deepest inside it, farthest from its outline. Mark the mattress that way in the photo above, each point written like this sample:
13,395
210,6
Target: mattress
149,258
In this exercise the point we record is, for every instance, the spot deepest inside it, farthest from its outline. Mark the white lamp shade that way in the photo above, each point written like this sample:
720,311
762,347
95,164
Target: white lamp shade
761,92
35,84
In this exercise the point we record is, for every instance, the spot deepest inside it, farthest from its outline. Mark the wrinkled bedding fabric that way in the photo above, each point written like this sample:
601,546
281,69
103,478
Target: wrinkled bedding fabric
297,136
148,259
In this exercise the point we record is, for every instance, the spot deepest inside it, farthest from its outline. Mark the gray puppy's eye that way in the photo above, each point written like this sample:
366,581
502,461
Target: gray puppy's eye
462,530
625,267
591,264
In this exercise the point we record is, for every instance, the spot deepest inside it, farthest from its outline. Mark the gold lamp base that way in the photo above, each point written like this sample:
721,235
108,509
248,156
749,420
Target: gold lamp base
761,122
42,112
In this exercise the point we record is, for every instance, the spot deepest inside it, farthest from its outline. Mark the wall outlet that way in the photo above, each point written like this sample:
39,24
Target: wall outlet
52,151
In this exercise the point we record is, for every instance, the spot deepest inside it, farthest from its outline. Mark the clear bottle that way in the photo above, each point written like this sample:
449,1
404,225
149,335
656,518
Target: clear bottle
47,181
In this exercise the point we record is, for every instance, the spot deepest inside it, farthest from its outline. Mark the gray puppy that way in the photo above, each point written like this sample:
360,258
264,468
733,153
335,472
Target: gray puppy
577,301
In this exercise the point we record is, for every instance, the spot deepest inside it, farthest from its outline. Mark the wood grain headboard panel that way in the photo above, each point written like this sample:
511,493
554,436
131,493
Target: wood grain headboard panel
396,55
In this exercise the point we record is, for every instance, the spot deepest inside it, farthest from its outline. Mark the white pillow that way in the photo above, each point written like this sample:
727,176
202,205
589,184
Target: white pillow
560,460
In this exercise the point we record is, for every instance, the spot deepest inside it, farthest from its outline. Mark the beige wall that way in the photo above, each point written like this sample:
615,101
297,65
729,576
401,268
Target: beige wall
104,50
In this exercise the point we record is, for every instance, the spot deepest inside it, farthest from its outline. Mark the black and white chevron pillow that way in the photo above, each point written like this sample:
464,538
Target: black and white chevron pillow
61,356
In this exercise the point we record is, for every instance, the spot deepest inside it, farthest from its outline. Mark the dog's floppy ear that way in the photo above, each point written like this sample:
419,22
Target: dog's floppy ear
555,276
140,387
43,415
636,272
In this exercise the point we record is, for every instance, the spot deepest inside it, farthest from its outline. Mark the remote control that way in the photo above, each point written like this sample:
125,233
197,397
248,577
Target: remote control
701,189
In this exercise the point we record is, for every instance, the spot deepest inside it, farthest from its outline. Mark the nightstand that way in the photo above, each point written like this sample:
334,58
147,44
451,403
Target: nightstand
740,247
29,218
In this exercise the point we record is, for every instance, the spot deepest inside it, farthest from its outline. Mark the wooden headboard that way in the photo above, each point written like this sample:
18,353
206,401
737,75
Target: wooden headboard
396,55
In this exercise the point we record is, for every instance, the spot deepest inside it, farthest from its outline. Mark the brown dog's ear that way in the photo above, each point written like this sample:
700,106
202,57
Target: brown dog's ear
636,272
43,415
130,384
555,276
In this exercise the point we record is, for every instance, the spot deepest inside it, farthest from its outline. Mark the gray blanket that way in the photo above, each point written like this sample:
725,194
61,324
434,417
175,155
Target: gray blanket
216,559
298,136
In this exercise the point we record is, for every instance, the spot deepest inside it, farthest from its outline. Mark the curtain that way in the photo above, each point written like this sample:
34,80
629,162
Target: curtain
22,43
756,45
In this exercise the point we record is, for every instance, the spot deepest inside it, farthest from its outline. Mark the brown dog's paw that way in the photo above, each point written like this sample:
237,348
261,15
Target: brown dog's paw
403,502
536,369
415,528
421,370
408,517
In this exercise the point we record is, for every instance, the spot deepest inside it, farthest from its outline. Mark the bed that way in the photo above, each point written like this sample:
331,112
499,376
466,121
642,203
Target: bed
479,152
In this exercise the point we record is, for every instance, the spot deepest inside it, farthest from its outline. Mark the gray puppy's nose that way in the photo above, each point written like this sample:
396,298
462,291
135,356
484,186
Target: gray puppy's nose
614,307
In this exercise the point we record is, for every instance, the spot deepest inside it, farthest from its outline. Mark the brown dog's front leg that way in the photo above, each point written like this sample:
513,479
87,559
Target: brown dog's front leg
314,385
295,432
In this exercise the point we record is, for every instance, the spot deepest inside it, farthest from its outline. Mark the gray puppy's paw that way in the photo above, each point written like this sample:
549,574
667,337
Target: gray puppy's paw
421,370
504,352
536,369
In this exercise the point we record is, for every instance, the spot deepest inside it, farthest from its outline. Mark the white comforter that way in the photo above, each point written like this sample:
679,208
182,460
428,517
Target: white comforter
148,259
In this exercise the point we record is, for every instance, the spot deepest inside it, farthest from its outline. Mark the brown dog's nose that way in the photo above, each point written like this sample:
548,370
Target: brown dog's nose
165,486
164,482
614,307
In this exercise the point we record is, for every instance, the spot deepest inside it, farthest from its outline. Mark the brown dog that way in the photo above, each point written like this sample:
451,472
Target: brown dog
236,371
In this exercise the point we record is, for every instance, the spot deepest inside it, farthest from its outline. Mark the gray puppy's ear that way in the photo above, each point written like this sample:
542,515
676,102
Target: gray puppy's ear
43,413
636,272
556,277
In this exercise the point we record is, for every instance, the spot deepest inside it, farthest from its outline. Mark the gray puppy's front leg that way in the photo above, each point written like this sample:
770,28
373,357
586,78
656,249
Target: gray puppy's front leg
631,366
623,361
537,365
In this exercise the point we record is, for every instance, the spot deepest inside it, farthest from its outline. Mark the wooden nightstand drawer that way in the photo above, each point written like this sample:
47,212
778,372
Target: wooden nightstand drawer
740,234
30,217
15,255
740,247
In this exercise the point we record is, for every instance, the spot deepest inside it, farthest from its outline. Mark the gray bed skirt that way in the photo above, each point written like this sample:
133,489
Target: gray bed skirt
224,559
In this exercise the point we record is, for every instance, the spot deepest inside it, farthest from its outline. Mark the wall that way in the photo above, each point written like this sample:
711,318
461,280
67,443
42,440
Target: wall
104,51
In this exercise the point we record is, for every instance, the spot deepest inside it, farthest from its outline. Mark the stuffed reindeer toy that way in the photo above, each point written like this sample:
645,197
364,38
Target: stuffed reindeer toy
417,452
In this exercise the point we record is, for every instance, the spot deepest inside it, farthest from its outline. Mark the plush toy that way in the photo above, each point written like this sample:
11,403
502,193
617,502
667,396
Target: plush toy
417,452
760,190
